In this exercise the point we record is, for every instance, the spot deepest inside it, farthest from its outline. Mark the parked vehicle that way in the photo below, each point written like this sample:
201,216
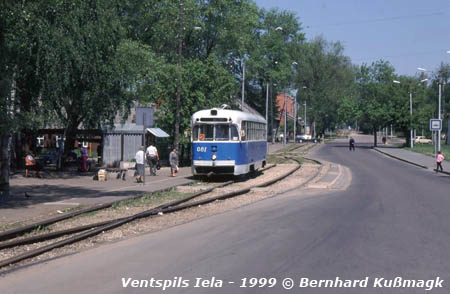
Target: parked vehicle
422,140
306,138
49,157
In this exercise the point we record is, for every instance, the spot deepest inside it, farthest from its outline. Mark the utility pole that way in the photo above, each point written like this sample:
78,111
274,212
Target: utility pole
179,74
305,116
295,118
271,108
243,85
439,114
285,118
267,111
410,115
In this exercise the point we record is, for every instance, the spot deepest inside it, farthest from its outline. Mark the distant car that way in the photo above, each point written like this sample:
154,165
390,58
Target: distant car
422,140
49,157
306,138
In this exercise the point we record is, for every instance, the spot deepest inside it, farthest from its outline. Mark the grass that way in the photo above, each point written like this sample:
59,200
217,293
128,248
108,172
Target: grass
152,199
10,226
428,149
279,159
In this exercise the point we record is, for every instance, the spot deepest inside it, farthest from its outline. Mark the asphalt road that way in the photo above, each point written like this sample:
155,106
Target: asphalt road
393,221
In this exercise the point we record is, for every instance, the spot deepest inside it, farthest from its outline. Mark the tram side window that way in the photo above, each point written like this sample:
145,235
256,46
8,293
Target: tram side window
244,131
195,133
222,132
234,133
253,131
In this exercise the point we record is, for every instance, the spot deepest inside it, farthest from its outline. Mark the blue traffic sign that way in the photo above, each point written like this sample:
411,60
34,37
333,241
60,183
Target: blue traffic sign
435,124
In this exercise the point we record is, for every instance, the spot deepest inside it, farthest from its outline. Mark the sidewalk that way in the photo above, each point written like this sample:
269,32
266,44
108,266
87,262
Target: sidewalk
68,190
412,157
34,197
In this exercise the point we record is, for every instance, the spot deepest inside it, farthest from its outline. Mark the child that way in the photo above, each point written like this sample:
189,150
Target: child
439,159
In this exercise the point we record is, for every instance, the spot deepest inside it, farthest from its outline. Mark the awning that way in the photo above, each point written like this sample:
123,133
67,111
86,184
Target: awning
157,132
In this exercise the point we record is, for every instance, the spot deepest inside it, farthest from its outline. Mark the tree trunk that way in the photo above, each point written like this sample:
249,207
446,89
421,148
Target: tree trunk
4,166
406,131
374,136
69,142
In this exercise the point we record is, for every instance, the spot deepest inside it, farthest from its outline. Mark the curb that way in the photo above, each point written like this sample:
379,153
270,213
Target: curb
398,158
407,161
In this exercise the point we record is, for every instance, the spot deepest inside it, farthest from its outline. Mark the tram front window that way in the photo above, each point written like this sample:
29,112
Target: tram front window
222,132
204,133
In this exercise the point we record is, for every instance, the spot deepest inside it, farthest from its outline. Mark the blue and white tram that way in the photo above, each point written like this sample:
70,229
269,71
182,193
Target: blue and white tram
226,141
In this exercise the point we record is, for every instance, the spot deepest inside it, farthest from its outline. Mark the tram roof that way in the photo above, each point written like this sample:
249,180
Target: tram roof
235,115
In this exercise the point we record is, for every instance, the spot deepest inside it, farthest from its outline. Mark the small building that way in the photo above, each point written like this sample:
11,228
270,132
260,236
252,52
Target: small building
123,141
290,110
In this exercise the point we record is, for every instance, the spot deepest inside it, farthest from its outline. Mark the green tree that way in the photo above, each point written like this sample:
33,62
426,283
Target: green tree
83,77
375,95
326,78
19,86
214,32
276,43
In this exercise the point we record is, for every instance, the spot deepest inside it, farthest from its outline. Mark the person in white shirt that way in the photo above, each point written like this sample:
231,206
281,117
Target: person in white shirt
152,158
140,161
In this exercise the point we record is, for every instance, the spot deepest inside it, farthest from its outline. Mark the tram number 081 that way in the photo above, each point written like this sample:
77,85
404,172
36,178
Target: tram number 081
201,149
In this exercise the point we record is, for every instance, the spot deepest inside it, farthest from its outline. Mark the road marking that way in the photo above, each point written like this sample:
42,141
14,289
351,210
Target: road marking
62,203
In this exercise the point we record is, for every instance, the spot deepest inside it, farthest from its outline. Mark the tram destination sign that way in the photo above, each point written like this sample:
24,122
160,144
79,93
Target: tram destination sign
435,124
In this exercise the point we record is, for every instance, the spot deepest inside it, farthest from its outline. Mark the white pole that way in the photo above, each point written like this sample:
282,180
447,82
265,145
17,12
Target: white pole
439,115
285,118
243,85
295,118
267,110
305,116
410,126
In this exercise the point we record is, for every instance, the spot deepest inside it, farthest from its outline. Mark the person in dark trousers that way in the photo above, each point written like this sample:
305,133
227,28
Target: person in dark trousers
351,145
152,158
439,159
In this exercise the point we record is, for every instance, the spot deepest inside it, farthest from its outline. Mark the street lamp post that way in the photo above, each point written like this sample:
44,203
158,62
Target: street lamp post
411,143
295,111
304,87
439,106
411,133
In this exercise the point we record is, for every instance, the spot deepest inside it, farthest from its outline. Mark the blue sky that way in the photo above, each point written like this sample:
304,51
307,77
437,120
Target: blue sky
407,33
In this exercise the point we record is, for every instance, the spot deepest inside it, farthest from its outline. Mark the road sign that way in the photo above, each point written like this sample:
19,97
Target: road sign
435,124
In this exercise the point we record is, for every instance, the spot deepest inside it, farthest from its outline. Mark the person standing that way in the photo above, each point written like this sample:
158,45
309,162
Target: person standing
173,159
152,158
84,159
439,159
31,165
351,144
140,164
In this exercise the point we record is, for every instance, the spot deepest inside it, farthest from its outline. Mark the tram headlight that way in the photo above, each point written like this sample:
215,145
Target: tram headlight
213,157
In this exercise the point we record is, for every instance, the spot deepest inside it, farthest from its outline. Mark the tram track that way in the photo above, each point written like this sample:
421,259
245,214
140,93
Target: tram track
80,233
